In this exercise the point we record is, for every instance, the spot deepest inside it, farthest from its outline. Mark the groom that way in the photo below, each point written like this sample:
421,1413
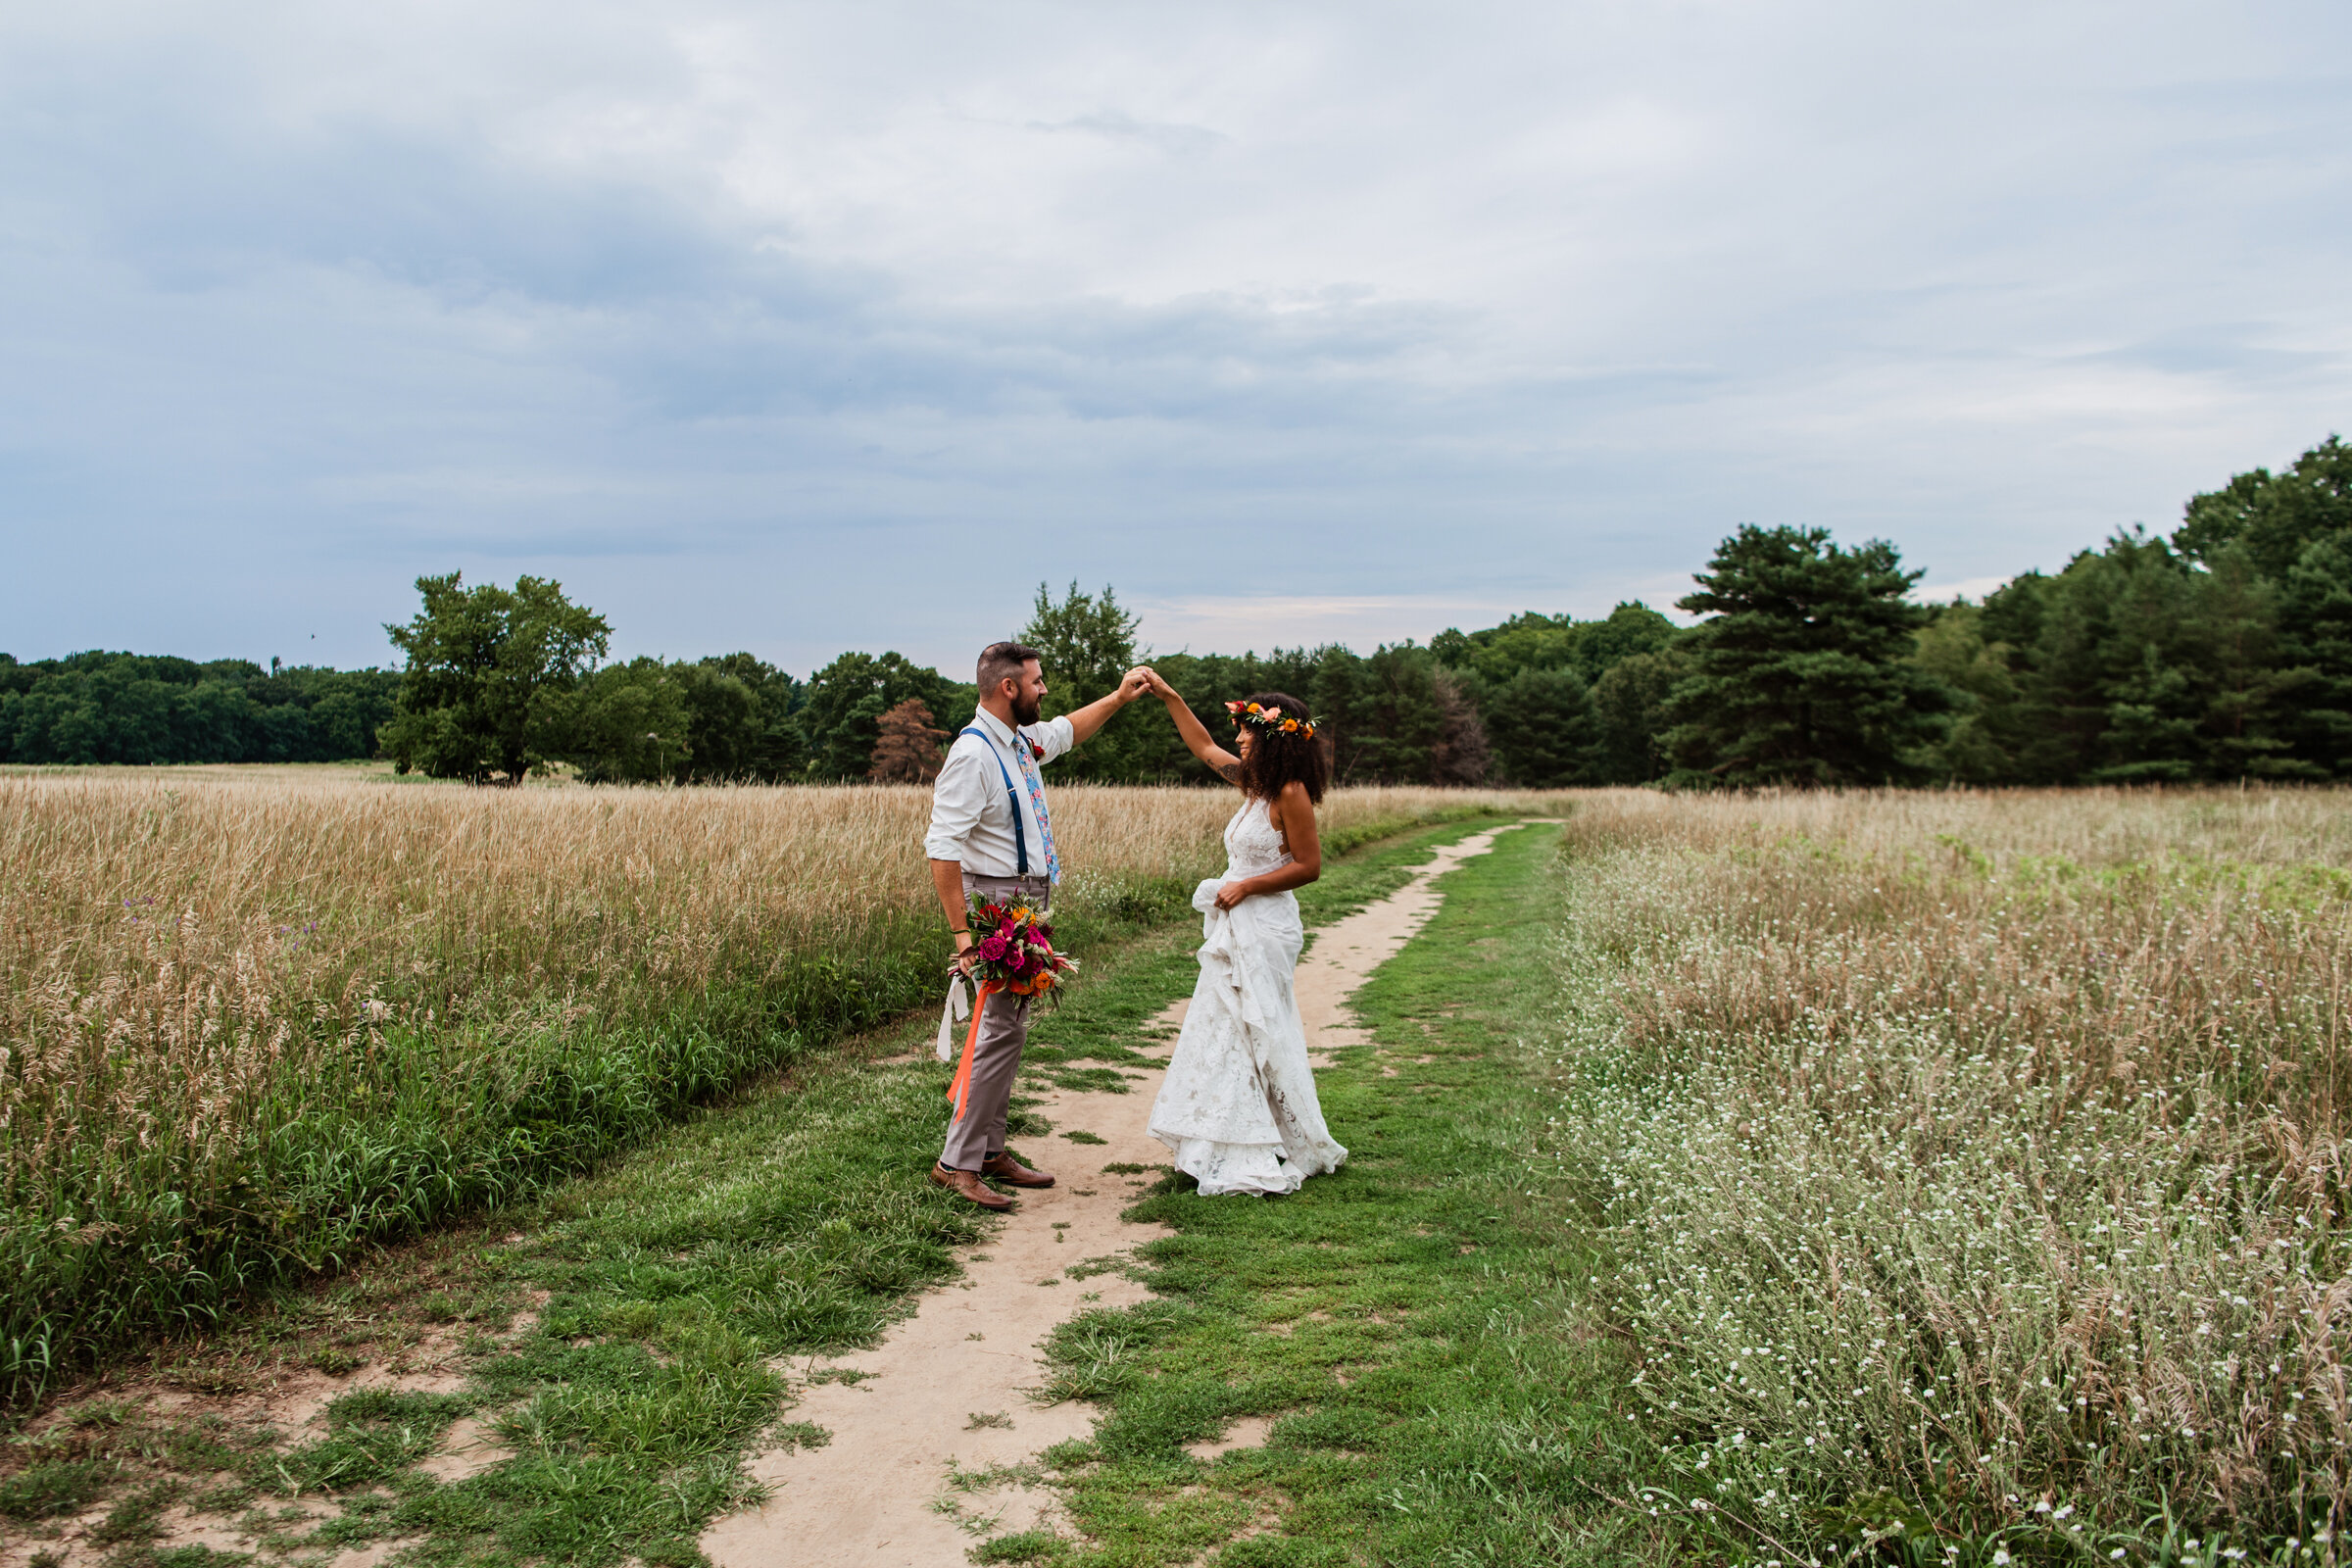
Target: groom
990,836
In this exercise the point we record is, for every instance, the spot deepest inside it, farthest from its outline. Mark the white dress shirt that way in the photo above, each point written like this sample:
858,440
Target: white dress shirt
971,816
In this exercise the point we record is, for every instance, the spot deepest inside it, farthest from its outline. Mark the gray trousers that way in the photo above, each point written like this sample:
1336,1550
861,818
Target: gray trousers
979,1136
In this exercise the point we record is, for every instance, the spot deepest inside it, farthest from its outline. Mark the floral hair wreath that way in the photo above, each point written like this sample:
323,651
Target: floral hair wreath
1270,718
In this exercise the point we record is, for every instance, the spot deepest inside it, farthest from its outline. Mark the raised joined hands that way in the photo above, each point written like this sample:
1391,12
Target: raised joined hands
1152,682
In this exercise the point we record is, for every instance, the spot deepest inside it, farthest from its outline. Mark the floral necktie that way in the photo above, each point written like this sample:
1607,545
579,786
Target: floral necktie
1036,803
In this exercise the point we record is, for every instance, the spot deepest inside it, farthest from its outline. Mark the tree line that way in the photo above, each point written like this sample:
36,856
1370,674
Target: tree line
2221,650
133,708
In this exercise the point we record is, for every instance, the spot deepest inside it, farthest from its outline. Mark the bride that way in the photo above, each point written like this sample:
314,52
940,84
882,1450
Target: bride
1238,1107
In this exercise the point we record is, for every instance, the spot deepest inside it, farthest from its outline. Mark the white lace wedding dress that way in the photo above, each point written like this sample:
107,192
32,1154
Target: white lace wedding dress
1238,1107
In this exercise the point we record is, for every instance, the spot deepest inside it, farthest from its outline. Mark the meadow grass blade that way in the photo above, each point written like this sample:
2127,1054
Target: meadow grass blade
249,1022
1980,1153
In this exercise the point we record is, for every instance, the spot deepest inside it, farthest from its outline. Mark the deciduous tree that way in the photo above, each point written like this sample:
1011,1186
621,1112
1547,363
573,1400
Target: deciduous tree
488,676
1086,644
1952,649
2273,516
143,708
741,722
846,702
1462,753
630,724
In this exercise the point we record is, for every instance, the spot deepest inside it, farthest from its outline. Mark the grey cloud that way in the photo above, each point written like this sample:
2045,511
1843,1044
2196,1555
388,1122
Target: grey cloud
2241,350
1113,125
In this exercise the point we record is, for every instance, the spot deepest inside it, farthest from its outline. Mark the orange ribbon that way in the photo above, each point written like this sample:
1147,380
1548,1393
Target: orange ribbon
961,1089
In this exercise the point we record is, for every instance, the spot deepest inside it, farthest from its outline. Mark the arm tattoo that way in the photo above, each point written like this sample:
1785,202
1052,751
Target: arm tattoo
1230,772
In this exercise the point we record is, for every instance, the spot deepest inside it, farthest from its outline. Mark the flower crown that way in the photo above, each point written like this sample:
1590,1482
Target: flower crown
1270,718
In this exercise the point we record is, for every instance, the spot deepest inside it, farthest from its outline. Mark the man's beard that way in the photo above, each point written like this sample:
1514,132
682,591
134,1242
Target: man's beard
1026,710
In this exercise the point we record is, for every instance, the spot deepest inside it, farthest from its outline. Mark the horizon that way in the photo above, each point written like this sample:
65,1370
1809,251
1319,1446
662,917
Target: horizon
1145,650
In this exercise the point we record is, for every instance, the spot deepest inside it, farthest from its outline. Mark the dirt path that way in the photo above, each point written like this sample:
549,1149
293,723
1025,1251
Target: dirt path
931,1430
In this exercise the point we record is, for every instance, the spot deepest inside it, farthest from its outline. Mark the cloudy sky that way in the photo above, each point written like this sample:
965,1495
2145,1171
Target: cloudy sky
804,328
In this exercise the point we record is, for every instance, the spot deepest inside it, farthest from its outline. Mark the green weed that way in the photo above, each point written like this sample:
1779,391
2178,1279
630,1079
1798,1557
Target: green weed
60,1486
1030,1546
197,1557
372,1435
137,1517
788,1435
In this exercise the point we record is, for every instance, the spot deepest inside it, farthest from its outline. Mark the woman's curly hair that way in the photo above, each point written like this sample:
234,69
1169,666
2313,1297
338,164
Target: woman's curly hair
1276,758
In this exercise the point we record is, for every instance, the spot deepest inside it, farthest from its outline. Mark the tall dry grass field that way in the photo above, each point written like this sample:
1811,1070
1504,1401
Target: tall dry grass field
1976,1163
247,1022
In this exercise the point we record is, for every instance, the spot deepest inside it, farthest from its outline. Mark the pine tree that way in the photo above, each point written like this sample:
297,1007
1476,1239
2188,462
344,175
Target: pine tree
1802,672
1394,725
1541,725
2137,601
2316,625
1630,704
2250,693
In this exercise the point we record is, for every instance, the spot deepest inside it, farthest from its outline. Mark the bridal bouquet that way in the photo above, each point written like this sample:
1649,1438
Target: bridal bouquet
1014,950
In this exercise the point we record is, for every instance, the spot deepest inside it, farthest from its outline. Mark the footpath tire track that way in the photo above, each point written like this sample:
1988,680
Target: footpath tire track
947,1391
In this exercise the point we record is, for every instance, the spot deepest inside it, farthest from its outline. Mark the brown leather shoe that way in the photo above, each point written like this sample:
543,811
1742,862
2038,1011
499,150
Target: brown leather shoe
967,1184
1013,1173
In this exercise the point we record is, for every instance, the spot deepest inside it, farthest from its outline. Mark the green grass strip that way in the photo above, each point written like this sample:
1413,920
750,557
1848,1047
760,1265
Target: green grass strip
1408,1322
794,1219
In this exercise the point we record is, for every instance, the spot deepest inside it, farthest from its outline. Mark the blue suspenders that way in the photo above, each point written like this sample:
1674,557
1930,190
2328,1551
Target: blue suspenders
1020,835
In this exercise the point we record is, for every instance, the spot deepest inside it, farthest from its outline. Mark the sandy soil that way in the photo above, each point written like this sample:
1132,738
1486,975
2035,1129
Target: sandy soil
289,1403
930,1441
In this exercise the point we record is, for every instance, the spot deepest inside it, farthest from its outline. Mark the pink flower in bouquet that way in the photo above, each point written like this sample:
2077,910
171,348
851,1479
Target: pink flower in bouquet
992,950
1017,960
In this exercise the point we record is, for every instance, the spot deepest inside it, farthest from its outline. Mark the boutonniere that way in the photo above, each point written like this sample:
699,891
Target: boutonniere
1037,753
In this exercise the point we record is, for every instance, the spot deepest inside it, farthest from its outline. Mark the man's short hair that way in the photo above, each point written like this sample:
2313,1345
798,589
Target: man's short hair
1003,661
